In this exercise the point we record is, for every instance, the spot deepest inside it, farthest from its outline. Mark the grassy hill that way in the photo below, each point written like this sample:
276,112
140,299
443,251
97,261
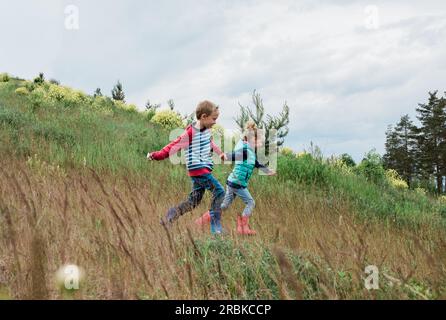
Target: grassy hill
76,188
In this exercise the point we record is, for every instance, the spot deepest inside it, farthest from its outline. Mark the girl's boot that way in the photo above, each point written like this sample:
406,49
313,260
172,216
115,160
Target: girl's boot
243,226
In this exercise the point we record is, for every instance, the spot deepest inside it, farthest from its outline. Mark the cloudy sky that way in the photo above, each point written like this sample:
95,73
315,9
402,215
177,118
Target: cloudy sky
347,69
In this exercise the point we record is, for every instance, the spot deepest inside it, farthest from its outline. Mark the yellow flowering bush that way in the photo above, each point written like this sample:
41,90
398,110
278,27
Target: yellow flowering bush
37,97
4,77
126,107
21,91
420,191
168,119
65,94
285,151
395,179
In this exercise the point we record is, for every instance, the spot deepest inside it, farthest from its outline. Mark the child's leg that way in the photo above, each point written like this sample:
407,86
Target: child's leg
229,197
218,194
194,199
243,220
206,217
244,194
198,188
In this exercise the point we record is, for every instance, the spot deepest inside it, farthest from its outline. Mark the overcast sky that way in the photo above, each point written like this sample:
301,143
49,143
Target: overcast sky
347,69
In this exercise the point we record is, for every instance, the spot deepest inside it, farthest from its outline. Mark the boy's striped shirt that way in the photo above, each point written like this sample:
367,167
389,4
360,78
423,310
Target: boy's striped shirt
198,145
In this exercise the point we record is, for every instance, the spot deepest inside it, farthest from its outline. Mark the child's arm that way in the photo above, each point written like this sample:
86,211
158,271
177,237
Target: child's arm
217,150
238,155
264,168
176,145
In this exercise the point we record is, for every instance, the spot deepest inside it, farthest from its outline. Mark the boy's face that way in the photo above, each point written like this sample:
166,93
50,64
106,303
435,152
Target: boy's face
209,120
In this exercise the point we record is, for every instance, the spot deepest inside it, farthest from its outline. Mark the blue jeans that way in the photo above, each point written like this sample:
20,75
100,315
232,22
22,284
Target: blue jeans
199,185
244,194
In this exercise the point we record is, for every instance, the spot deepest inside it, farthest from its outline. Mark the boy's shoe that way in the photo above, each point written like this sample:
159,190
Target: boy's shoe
216,227
204,219
243,226
171,215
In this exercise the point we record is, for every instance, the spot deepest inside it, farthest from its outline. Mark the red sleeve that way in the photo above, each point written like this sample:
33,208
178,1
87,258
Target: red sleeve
216,148
176,145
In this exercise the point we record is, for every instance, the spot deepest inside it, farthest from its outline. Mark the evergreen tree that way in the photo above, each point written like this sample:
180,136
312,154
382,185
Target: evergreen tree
401,149
348,160
431,139
171,104
118,93
279,123
97,93
40,79
151,107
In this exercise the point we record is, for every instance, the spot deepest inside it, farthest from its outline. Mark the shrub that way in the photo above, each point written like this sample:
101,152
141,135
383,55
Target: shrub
22,91
66,95
127,107
4,77
168,119
30,86
57,93
420,191
286,151
395,180
37,98
372,168
39,79
304,169
148,114
348,160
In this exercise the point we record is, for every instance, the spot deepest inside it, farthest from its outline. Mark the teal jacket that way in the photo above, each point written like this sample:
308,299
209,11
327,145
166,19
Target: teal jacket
245,163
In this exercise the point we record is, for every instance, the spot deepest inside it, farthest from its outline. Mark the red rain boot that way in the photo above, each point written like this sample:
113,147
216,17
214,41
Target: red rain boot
204,219
243,226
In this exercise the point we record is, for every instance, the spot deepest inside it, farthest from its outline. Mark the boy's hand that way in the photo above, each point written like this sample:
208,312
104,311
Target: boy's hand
149,156
272,173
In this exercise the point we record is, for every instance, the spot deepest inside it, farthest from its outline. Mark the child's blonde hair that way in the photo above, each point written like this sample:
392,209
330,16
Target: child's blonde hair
205,107
251,131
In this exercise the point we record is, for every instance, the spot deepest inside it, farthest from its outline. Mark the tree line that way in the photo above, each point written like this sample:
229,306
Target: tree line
418,151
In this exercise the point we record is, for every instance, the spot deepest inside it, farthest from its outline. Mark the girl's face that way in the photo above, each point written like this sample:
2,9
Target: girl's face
256,143
260,142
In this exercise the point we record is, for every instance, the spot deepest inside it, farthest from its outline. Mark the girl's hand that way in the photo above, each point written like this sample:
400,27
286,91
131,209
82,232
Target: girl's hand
223,157
272,173
149,156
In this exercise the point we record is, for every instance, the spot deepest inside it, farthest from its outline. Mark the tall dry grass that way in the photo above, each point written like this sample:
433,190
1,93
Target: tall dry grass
306,247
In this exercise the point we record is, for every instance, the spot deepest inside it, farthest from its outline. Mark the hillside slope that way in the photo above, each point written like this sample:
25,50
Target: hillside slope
76,188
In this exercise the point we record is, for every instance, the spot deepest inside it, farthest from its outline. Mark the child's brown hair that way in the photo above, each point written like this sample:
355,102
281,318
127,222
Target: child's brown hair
205,107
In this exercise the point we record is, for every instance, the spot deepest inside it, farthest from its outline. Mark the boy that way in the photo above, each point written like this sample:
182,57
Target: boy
198,143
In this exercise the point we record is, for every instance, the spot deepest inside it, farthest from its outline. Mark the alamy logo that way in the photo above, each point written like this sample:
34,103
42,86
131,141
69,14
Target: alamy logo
72,18
266,155
69,277
372,18
372,279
